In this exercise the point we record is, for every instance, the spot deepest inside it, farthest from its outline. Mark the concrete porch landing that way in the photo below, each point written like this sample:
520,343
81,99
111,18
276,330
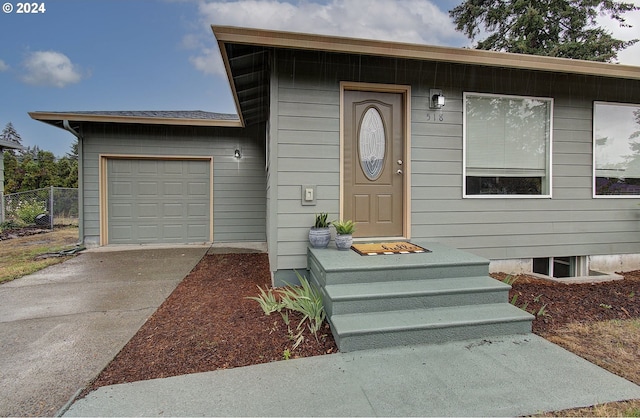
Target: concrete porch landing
402,299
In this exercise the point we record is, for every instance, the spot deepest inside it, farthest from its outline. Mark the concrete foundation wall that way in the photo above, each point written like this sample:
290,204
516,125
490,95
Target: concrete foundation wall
602,263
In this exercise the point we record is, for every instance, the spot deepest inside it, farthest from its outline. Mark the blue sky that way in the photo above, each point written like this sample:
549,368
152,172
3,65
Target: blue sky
161,54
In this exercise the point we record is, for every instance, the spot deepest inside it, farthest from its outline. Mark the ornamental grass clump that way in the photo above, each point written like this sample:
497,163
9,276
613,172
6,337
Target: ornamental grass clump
305,299
268,301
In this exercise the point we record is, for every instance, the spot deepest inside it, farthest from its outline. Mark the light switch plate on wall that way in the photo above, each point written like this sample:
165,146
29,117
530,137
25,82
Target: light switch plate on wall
308,195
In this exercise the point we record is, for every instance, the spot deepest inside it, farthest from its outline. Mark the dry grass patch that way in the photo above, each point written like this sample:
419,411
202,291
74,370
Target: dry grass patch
613,345
18,255
614,409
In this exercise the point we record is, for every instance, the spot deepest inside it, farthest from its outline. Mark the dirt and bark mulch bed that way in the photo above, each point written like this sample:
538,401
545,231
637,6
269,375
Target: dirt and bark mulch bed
207,323
561,303
22,232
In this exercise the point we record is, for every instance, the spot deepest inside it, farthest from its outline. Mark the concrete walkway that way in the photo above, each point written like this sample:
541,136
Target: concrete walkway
508,376
61,326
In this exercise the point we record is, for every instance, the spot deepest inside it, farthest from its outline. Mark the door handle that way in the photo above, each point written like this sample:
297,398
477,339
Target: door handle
399,172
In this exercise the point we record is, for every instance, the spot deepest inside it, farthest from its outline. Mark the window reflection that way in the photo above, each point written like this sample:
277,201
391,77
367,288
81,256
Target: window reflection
507,142
616,132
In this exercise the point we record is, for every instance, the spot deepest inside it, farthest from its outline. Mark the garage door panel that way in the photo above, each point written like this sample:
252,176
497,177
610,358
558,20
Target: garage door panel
198,189
155,201
197,230
195,210
147,188
200,170
121,167
122,188
174,167
122,233
173,189
148,210
148,232
173,232
122,211
173,210
147,167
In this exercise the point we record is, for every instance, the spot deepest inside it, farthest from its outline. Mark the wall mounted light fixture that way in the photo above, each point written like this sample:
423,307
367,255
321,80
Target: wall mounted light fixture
436,99
237,154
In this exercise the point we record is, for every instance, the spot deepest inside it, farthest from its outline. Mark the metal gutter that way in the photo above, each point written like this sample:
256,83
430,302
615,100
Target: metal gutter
67,126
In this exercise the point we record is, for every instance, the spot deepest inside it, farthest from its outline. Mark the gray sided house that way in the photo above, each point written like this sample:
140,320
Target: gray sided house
528,161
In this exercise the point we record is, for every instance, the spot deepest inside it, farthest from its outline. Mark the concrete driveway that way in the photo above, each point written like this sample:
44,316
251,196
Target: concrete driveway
61,326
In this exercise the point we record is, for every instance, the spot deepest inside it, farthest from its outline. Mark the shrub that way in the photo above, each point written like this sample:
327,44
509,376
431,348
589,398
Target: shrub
305,299
27,210
10,224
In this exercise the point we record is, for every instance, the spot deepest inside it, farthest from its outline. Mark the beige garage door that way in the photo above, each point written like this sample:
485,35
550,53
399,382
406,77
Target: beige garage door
158,201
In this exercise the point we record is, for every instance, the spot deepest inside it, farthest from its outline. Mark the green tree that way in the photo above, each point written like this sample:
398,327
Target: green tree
10,170
9,134
38,168
557,28
67,173
73,152
33,168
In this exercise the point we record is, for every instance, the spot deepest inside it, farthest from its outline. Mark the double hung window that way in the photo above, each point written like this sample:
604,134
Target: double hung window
507,145
616,149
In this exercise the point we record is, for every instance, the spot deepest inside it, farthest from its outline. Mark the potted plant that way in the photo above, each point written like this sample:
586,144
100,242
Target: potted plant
320,234
344,234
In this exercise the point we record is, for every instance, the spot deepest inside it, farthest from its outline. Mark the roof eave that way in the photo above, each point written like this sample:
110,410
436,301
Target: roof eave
52,117
232,85
305,41
9,145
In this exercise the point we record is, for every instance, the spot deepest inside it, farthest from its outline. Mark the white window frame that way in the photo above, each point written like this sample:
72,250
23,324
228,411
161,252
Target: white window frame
593,149
548,195
578,266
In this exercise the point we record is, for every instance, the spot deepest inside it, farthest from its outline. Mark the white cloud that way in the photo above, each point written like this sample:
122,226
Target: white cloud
415,21
3,66
50,68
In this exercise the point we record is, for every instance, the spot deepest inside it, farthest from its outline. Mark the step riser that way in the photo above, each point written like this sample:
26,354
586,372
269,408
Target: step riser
395,273
385,303
430,336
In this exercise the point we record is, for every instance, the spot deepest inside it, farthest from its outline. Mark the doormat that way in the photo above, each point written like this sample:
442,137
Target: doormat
388,248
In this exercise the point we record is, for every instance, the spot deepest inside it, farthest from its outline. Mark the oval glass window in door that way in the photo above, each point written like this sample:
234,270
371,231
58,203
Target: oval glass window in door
372,144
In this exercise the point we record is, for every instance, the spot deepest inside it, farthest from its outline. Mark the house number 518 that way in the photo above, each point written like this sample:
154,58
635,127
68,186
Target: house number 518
435,117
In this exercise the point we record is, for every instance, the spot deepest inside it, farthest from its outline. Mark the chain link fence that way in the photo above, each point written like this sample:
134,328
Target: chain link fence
46,207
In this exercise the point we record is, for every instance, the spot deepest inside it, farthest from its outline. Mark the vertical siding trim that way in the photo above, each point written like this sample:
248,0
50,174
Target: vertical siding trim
405,90
272,169
103,159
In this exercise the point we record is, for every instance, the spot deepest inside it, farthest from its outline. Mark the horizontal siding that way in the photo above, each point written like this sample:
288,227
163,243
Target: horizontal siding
239,187
570,223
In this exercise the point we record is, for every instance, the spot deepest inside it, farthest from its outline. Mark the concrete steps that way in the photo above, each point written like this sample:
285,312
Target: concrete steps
434,326
391,300
412,294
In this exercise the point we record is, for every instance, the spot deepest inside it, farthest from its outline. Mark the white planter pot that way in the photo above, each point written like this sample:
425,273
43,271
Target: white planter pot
319,237
343,242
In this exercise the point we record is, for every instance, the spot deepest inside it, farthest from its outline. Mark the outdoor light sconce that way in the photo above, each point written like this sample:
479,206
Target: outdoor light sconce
436,99
237,154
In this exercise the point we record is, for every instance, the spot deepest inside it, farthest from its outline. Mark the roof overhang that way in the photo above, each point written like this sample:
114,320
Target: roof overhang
57,118
291,40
